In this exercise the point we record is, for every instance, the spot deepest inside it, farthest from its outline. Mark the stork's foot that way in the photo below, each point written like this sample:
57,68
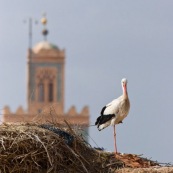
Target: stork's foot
116,154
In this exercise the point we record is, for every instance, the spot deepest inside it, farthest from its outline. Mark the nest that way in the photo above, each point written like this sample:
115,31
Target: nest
50,148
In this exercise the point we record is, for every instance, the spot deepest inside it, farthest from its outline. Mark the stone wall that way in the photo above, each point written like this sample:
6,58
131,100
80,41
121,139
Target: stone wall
48,114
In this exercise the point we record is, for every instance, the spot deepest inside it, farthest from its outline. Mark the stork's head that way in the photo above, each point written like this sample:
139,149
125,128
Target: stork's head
124,82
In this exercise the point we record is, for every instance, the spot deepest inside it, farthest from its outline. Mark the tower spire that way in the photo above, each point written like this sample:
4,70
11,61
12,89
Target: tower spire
44,31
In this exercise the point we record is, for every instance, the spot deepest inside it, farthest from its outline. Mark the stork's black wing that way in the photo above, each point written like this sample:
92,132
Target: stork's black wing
105,118
103,109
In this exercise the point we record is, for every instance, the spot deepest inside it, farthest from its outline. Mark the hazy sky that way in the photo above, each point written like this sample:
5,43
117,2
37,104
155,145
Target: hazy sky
104,42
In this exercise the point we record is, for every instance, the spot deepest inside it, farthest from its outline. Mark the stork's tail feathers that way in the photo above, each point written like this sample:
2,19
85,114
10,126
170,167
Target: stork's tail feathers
98,120
104,121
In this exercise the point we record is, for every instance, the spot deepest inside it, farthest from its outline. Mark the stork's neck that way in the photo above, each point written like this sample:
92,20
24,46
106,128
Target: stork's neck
125,94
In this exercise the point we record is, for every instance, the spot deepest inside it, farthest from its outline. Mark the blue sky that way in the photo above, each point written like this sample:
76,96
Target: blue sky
104,42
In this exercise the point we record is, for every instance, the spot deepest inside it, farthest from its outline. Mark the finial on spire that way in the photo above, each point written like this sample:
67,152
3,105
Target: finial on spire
44,22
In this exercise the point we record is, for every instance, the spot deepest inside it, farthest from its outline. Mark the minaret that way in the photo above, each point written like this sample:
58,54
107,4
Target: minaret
45,76
45,87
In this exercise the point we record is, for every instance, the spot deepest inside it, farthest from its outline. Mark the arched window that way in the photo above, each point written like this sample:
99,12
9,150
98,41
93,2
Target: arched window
40,92
50,86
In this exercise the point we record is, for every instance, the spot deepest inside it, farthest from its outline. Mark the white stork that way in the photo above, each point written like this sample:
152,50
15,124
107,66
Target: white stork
114,112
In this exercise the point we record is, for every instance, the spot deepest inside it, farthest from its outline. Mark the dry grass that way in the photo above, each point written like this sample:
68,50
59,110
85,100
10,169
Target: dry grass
30,148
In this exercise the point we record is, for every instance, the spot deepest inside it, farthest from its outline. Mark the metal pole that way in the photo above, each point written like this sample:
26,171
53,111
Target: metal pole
30,33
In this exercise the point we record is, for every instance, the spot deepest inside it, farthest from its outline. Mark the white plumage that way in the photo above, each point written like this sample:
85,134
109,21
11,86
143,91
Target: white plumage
115,111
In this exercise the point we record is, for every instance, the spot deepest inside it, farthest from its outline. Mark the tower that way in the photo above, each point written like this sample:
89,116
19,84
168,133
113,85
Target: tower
45,77
45,85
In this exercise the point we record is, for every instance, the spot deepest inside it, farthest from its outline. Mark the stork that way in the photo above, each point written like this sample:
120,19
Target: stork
114,112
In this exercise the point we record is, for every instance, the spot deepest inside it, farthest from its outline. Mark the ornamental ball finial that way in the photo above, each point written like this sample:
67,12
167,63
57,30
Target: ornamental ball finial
44,20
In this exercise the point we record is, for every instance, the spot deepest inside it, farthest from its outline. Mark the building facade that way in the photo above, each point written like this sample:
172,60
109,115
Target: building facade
45,89
45,77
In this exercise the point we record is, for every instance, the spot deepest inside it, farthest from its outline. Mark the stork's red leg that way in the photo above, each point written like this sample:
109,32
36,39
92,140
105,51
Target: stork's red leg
115,145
